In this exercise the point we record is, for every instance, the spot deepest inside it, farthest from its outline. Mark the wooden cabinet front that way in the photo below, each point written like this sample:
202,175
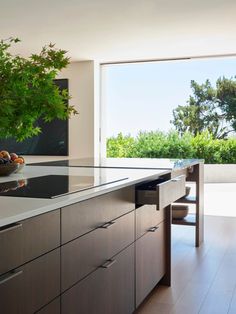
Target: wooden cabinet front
86,216
150,261
85,254
28,239
110,289
90,257
147,216
53,307
28,288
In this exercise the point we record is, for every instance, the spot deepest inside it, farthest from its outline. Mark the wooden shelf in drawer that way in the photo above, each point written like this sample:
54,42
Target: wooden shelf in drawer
30,287
85,254
162,194
28,239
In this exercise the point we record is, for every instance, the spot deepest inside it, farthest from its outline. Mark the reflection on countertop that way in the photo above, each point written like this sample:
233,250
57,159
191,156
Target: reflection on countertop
131,163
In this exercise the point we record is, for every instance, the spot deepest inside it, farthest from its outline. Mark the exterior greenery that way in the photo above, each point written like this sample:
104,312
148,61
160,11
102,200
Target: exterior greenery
172,145
208,109
202,128
27,91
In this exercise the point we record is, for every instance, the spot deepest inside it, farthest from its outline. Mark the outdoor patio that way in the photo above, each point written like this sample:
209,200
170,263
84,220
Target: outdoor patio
220,199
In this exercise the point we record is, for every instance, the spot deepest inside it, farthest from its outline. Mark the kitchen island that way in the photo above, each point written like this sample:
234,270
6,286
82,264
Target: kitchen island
100,250
194,176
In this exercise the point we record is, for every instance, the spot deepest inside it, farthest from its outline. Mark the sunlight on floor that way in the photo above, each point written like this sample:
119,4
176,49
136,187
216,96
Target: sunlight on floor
220,199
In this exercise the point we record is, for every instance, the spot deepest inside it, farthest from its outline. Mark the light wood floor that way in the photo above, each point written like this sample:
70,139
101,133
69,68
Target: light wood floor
203,279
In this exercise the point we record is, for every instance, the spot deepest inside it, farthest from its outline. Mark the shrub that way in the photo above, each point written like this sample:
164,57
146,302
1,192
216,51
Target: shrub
171,145
120,146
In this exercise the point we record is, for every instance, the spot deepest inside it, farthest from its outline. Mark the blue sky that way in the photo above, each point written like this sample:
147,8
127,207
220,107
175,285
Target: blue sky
142,96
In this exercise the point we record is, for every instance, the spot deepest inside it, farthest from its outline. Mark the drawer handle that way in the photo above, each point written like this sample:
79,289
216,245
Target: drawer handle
10,227
153,229
175,180
10,276
107,225
108,263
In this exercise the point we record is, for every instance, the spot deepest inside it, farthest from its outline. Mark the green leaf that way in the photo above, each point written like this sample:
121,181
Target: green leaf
27,91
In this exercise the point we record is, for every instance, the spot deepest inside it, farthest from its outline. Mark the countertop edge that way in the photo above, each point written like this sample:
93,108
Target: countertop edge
64,201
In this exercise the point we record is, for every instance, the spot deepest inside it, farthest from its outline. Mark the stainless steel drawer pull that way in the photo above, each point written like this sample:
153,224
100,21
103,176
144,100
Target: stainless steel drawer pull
153,229
9,276
107,225
10,227
108,263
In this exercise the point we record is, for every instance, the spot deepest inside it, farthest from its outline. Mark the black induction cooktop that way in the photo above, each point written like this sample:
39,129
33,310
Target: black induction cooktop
52,186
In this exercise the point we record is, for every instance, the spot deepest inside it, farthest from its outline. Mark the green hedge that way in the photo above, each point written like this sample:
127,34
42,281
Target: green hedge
172,145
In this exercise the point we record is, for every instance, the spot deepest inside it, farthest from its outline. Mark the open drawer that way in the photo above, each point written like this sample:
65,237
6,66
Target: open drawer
160,192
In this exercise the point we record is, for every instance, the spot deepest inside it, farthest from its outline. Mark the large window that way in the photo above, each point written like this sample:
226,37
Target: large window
142,96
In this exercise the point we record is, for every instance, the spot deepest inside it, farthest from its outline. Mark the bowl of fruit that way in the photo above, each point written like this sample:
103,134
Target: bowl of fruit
10,162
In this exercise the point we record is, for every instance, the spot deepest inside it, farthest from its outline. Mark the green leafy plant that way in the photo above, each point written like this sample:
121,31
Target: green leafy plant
172,145
27,91
120,146
208,109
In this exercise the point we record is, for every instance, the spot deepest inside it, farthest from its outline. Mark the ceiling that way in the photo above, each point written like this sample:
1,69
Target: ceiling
111,30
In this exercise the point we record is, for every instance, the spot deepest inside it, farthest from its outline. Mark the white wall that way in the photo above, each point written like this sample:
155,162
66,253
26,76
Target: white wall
84,89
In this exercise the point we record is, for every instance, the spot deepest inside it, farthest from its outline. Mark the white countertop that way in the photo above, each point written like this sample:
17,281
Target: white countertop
14,209
130,163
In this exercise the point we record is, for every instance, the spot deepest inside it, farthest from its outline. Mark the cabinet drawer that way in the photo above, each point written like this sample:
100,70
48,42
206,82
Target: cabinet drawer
161,194
85,254
85,216
146,217
150,261
51,308
28,239
110,289
28,288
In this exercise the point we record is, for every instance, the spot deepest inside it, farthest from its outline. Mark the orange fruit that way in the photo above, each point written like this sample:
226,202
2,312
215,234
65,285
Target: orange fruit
19,160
